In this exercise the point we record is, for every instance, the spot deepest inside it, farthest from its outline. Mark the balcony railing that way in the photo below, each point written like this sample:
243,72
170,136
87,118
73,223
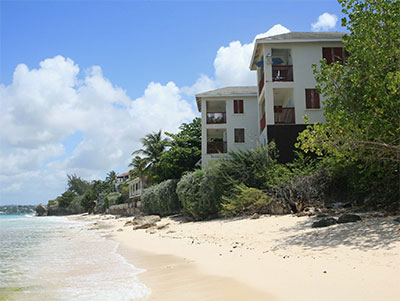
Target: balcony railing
282,73
284,115
216,147
216,118
261,83
262,123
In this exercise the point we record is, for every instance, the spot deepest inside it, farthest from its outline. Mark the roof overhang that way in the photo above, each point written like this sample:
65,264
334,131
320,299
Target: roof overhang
258,48
200,98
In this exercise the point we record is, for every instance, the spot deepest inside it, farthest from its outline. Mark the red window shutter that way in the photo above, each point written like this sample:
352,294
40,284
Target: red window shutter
308,99
327,54
235,106
317,104
338,54
241,106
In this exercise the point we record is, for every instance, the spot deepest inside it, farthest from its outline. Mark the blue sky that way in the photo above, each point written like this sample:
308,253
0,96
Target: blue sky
98,75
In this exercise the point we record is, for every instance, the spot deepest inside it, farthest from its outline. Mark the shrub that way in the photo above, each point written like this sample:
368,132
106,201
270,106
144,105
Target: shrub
65,199
124,190
88,199
75,205
245,200
161,199
200,193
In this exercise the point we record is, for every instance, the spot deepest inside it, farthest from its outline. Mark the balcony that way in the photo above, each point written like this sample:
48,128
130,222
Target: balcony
215,147
282,73
216,118
284,115
262,123
261,83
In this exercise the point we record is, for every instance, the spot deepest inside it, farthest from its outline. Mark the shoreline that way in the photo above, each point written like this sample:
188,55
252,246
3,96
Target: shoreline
270,258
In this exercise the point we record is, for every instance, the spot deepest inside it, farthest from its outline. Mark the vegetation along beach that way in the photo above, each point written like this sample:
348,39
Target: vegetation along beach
278,178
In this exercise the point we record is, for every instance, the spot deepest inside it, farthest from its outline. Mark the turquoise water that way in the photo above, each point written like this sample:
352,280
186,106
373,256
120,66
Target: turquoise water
53,258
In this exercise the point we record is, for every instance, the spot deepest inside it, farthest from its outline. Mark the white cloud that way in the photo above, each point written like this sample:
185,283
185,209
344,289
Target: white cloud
44,106
325,22
273,31
231,65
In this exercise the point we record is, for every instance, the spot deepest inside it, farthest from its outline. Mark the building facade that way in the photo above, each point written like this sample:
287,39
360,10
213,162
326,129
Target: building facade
285,93
228,121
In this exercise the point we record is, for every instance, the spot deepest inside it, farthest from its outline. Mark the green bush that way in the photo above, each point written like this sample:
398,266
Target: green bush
161,199
75,205
200,193
245,200
124,190
65,199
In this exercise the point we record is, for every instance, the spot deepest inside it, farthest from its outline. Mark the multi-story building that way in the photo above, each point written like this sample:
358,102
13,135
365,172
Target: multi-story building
286,84
274,109
228,117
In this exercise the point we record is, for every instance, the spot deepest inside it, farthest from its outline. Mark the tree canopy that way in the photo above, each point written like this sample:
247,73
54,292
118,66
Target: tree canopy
362,97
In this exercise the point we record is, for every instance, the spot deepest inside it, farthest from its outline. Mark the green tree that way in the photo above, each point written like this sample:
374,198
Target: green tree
153,147
88,200
111,177
139,165
65,199
183,153
77,185
362,99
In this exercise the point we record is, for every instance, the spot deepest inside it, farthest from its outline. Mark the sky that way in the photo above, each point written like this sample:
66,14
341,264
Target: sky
82,81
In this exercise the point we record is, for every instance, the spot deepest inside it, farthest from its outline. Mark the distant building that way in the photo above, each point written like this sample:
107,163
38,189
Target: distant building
121,179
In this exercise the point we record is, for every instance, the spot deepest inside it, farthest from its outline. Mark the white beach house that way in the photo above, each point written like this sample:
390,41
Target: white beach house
286,85
240,117
228,117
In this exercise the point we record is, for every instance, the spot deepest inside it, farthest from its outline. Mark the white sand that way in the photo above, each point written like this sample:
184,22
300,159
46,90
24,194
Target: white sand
271,258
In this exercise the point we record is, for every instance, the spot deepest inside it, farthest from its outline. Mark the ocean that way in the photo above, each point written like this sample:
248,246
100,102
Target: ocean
53,258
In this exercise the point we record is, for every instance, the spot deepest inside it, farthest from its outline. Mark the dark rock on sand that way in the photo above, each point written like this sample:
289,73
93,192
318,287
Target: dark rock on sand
41,210
397,220
325,222
145,222
348,218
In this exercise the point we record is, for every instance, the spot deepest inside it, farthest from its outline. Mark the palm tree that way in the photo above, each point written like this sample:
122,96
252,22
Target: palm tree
153,147
111,176
140,167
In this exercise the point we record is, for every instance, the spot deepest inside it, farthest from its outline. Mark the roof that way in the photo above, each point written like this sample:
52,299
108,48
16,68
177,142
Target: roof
124,174
295,37
238,91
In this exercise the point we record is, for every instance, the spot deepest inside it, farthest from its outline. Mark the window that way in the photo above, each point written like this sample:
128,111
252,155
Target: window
238,106
334,54
312,99
239,135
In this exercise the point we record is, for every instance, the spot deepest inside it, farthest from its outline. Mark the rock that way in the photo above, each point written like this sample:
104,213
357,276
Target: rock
255,216
277,208
325,222
162,225
120,230
145,222
397,220
348,218
41,210
128,223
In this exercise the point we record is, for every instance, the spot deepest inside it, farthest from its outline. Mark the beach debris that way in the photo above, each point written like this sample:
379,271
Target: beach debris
277,208
348,218
145,222
170,231
325,222
120,230
255,216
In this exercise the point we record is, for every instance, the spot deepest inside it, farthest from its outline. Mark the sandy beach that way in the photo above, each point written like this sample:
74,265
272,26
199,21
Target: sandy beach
270,258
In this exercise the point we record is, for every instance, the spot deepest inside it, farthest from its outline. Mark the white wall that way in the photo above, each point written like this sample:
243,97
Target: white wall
248,121
304,55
